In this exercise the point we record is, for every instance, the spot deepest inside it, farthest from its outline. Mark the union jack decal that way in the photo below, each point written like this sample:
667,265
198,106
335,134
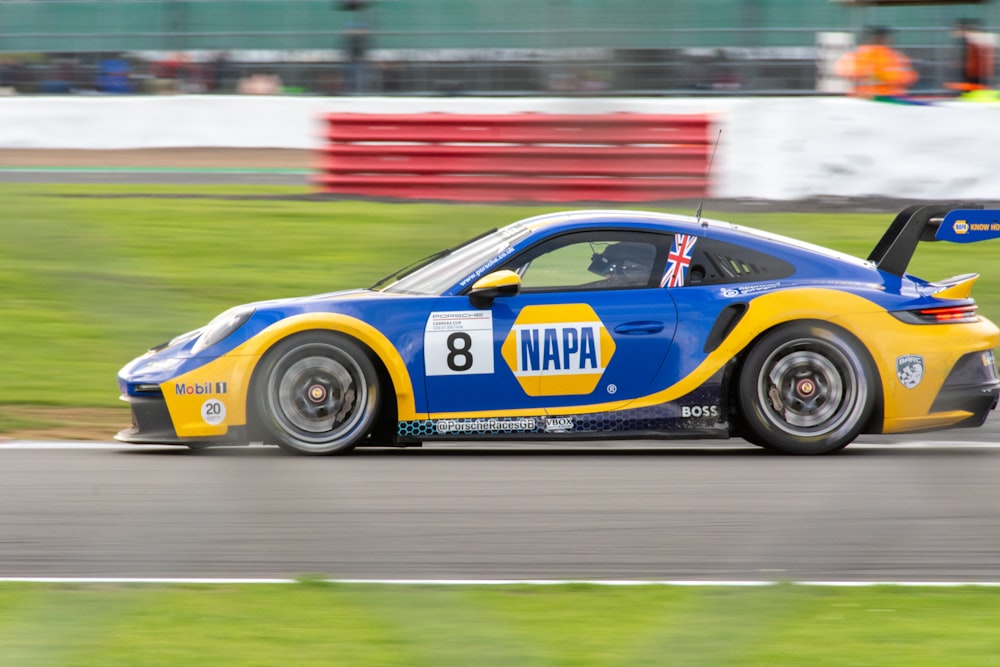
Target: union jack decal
679,260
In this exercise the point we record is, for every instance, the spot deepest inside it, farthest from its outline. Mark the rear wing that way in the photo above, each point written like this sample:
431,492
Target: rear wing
955,222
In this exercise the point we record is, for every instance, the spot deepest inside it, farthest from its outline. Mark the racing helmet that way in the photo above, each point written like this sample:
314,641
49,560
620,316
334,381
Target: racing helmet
627,260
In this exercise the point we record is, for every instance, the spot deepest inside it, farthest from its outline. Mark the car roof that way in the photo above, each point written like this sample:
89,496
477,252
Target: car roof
673,222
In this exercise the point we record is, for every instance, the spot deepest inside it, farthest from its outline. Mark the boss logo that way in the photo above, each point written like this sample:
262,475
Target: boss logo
700,411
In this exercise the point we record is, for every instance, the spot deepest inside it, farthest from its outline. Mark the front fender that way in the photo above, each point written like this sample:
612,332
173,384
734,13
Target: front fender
225,381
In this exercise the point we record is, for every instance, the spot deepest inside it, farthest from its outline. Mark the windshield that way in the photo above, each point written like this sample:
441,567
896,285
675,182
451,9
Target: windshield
464,264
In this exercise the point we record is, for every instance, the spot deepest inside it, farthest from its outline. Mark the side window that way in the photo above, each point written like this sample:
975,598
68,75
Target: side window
597,260
717,263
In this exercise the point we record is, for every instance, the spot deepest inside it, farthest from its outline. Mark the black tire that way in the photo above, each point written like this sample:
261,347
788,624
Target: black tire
315,393
806,388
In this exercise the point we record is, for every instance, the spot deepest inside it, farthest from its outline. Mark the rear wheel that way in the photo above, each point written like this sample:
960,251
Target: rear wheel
806,389
316,393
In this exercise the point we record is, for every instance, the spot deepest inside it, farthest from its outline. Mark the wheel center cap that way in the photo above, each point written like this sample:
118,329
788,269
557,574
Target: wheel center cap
805,387
317,393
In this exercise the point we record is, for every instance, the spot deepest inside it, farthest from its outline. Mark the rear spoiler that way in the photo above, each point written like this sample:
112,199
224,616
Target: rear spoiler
956,222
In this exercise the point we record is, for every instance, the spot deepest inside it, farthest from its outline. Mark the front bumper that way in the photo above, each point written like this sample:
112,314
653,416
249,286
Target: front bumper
151,425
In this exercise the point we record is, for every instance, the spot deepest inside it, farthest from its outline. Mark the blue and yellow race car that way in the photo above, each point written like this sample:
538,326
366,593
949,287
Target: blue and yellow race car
594,324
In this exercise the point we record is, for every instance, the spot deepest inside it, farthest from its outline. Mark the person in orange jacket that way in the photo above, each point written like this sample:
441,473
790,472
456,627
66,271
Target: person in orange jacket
875,68
975,63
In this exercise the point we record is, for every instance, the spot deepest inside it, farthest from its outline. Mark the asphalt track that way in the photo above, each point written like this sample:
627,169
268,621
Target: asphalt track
896,509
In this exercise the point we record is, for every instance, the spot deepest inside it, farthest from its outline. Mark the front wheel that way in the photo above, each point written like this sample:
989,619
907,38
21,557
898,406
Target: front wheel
806,389
316,393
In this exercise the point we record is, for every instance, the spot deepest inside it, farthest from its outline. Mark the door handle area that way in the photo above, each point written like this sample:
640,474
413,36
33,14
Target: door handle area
640,327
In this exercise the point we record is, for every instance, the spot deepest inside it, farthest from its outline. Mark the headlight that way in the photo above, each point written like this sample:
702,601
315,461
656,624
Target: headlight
222,326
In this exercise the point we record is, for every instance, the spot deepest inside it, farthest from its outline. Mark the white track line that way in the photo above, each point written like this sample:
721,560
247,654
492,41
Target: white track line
497,582
71,444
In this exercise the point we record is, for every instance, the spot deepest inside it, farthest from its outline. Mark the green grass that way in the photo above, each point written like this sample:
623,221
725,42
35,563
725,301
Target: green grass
91,276
314,623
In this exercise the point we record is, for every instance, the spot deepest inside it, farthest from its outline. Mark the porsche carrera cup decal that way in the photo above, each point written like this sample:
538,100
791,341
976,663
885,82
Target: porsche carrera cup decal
459,343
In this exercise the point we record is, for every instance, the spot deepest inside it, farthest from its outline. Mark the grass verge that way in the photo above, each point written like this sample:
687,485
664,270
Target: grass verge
314,623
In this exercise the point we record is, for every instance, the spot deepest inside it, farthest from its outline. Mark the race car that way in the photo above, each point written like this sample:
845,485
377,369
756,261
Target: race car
594,324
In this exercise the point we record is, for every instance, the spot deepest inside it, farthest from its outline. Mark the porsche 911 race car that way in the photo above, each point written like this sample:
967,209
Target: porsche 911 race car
594,324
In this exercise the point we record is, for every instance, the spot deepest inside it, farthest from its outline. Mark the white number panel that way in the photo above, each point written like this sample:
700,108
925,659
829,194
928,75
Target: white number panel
459,343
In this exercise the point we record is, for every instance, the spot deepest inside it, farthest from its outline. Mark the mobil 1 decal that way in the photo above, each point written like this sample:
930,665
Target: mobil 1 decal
459,342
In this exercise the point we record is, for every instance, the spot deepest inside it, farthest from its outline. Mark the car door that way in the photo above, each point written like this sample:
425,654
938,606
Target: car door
591,325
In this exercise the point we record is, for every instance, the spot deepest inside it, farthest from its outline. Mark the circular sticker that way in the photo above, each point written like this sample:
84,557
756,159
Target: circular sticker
213,411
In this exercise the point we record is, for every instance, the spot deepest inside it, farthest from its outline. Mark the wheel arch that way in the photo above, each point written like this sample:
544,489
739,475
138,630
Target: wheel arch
388,402
731,379
386,358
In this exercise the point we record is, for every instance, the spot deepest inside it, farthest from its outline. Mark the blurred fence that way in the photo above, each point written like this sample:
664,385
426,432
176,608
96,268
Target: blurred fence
450,46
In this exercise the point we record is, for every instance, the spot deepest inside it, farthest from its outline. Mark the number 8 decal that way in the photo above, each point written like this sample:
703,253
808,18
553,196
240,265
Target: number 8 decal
459,343
459,357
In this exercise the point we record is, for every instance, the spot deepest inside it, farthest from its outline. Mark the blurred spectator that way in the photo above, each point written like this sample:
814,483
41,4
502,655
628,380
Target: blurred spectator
15,77
725,76
114,76
579,80
974,69
260,84
177,73
719,72
165,74
6,80
190,77
59,75
562,81
218,74
357,41
876,69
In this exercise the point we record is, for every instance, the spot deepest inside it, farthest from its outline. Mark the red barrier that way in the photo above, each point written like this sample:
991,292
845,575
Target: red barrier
519,157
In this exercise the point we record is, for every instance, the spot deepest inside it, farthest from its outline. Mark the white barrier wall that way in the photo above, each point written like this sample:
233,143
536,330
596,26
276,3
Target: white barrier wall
771,148
796,148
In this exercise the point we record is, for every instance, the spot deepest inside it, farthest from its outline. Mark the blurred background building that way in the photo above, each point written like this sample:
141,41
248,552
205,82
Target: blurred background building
452,47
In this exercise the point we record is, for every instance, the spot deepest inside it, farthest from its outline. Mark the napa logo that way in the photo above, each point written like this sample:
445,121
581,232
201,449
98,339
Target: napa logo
960,227
558,350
